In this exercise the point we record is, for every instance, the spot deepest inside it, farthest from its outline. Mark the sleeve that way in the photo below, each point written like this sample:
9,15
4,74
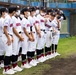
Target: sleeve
6,22
24,23
14,22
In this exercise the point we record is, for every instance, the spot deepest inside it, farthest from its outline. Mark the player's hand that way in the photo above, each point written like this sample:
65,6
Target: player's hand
21,38
33,39
58,20
9,41
30,38
39,35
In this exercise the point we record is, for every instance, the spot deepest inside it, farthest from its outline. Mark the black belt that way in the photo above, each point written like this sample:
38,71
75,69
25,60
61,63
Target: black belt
20,32
9,34
43,30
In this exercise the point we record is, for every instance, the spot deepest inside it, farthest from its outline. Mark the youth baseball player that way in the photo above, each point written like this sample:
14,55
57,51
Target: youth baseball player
27,37
17,30
32,45
2,49
41,41
8,39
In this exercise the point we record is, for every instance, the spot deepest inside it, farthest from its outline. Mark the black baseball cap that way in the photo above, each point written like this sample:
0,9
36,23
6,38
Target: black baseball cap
24,10
11,9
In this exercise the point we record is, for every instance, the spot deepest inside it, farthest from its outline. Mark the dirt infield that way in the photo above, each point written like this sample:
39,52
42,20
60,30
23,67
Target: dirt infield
62,66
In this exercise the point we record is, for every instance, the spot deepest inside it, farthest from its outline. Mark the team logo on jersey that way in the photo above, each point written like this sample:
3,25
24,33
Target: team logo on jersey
18,24
11,25
36,21
42,20
28,25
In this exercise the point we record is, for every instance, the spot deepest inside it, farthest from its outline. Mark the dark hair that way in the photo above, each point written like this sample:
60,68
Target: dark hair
3,10
11,9
43,9
32,9
24,10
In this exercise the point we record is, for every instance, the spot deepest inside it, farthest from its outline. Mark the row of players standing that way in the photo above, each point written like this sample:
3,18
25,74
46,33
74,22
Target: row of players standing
32,30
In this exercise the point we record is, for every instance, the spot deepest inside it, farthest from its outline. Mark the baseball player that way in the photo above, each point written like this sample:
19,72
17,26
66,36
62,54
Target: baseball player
32,45
49,18
27,37
57,25
8,39
41,41
17,30
2,49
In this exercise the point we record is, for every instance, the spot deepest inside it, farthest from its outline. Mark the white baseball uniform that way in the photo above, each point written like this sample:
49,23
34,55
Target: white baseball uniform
48,33
41,41
2,48
9,23
57,35
32,45
16,42
25,24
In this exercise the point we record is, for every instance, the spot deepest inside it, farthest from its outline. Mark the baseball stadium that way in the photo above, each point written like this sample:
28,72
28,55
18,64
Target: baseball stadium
37,37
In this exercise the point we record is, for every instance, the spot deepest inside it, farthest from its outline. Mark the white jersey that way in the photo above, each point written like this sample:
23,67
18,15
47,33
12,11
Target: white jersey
41,21
32,23
48,24
1,25
9,23
25,24
36,21
17,23
54,24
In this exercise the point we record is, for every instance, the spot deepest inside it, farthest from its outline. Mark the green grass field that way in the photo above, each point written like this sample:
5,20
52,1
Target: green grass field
66,47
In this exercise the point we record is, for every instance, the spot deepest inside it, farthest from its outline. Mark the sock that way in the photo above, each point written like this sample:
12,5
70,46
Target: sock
46,51
14,60
23,59
38,53
29,56
55,48
42,52
6,62
20,50
1,58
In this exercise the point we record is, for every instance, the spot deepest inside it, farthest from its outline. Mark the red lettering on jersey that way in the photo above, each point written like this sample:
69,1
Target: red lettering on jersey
18,24
28,25
47,25
11,25
36,21
42,20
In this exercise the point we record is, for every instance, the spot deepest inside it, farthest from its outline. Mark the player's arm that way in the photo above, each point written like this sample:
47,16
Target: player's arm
31,33
58,24
27,34
7,35
38,30
17,34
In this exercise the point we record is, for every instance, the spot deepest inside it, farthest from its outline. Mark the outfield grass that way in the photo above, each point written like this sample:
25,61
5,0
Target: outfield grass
66,47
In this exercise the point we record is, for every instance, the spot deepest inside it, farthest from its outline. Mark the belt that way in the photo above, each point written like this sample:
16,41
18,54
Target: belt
9,34
20,32
43,30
